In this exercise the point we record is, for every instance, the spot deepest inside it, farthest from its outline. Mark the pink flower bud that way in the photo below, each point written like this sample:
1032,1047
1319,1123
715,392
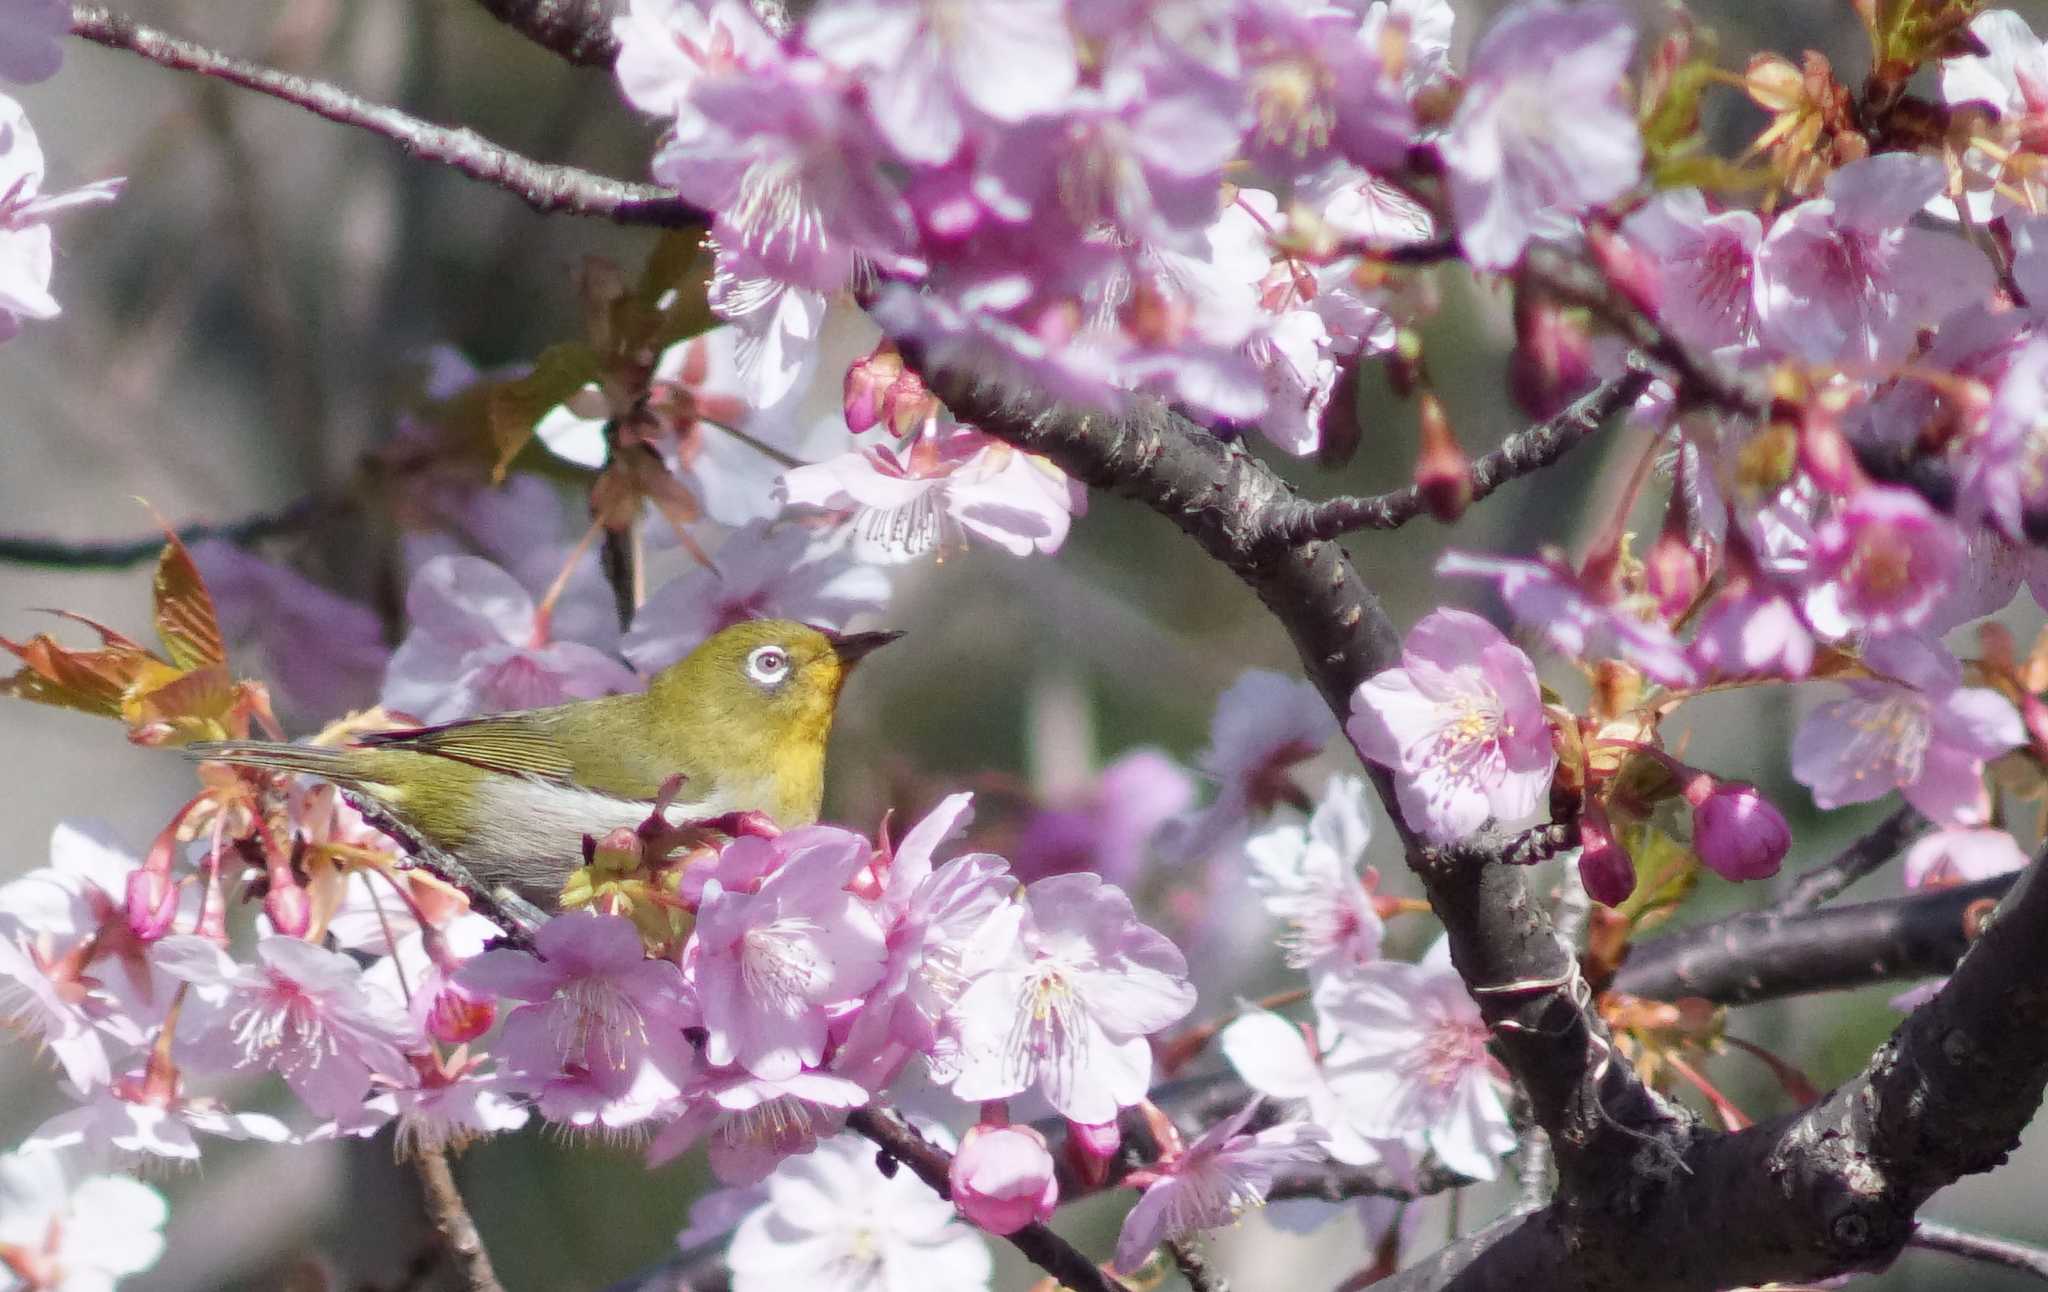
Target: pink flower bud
1735,829
1442,471
1089,1150
1552,363
868,383
286,903
1002,1178
1605,867
152,903
456,1014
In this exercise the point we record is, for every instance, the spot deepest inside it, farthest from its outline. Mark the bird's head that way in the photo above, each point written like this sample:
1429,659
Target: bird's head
767,684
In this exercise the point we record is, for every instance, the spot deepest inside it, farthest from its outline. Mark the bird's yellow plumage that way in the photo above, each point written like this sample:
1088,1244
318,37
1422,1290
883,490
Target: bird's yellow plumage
744,719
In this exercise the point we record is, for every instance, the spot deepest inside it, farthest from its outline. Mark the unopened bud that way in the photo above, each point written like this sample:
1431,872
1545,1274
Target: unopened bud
1442,471
152,903
618,852
1605,867
1552,363
455,1014
1626,268
1002,1178
1089,1150
867,386
1735,830
1671,571
1825,454
287,904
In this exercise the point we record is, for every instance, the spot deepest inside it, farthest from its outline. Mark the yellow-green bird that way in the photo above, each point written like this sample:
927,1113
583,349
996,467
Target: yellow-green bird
744,718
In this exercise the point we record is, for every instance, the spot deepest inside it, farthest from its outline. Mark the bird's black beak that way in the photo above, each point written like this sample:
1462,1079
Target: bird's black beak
852,647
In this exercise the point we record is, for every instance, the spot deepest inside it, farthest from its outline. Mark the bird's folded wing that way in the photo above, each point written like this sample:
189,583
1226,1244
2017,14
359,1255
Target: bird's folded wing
508,743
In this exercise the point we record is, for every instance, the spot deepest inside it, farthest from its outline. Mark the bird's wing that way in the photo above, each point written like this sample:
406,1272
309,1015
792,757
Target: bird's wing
508,742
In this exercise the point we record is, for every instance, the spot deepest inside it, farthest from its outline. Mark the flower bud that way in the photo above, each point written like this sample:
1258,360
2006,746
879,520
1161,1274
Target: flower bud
1552,363
455,1014
1442,471
1671,571
1089,1149
1626,269
1605,867
867,387
152,902
1002,1178
287,904
1735,830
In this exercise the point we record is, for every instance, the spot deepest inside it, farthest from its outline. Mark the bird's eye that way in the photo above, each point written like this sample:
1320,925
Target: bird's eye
768,665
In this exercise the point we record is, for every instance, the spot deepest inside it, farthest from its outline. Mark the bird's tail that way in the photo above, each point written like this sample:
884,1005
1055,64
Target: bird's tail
342,765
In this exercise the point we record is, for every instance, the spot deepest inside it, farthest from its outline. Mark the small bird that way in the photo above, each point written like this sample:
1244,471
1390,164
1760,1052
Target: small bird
744,718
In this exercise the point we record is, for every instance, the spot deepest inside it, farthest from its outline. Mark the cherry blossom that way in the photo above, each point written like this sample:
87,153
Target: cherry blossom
1704,264
1264,725
1579,620
1061,996
1416,1038
26,249
1913,727
66,1229
2010,81
833,1222
1109,827
1002,1178
1881,564
1284,1061
1219,1177
769,964
1460,723
754,1124
1542,131
478,646
1308,876
134,1118
301,1011
1962,855
1844,279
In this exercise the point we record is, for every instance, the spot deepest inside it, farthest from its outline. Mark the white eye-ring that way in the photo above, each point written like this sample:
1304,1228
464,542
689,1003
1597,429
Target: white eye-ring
768,664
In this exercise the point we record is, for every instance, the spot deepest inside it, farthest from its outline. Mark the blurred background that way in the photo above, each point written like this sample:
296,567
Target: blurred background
241,328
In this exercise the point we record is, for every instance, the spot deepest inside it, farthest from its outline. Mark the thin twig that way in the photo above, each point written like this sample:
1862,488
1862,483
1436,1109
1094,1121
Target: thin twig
932,1164
1934,1236
1825,882
1194,1266
545,187
1523,453
115,554
515,917
451,1219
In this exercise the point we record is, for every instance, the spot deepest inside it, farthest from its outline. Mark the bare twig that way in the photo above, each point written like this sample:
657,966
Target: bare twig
1763,955
1934,1236
452,1221
1825,882
545,187
114,554
1522,453
1040,1245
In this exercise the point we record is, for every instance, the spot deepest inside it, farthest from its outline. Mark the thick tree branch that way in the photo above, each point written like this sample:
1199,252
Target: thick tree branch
1522,453
452,1220
580,31
1764,955
1526,980
1040,1245
118,554
545,187
1825,882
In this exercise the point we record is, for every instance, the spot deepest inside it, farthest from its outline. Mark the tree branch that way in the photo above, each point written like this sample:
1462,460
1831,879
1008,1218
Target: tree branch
579,31
1825,882
1195,1267
1763,955
114,554
1523,453
1039,1244
544,187
452,1221
1936,1237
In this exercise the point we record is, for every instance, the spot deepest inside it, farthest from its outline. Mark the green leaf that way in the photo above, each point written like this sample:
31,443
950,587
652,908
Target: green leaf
516,406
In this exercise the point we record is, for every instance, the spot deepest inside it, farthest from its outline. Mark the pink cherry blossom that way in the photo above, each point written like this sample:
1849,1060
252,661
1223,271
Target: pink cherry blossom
133,1119
1110,825
301,1011
1542,131
832,1222
1844,279
1915,728
1002,1178
2010,80
1881,564
1308,876
1284,1061
933,68
1219,1177
754,1124
1704,265
2005,473
1316,89
32,38
1416,1037
1264,725
477,646
947,482
759,572
1460,724
1752,630
667,46
26,250
322,653
1962,855
770,964
77,1231
1579,620
44,1001
1063,991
